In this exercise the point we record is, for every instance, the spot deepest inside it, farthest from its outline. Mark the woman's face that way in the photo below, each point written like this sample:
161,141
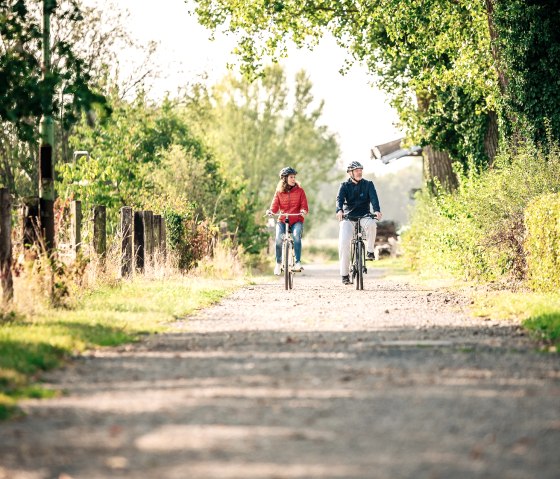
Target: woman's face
291,180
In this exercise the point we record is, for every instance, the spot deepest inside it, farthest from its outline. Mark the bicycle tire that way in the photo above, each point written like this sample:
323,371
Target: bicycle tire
286,263
291,264
362,264
353,262
359,265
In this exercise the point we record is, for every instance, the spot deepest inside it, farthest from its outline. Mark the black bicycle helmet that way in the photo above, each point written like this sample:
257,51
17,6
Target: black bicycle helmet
355,165
287,171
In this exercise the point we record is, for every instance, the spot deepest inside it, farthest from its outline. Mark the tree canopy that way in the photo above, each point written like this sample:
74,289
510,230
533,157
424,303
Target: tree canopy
431,56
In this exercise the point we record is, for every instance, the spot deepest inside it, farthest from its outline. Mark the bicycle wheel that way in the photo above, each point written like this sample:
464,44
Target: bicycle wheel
353,262
360,263
286,261
292,264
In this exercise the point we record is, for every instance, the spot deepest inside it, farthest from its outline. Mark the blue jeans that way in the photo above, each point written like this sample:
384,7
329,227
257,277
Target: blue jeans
297,231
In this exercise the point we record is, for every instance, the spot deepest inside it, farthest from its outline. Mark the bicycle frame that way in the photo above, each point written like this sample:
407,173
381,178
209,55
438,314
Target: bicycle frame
288,252
358,251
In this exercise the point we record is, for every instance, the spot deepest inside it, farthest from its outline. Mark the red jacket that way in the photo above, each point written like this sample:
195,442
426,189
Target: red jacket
291,202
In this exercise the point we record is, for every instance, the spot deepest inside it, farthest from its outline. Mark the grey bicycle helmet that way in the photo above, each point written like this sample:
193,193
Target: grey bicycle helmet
355,165
287,171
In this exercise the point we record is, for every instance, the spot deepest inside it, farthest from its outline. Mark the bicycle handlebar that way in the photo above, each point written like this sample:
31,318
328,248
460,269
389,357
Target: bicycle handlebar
283,214
356,218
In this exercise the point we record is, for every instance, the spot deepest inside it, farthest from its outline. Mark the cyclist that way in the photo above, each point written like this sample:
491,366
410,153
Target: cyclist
289,198
354,199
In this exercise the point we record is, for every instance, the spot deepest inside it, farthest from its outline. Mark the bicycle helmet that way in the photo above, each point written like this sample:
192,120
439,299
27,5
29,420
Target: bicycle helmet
355,165
287,171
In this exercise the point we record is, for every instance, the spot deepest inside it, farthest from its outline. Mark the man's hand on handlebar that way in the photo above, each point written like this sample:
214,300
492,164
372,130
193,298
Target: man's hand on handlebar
378,215
303,212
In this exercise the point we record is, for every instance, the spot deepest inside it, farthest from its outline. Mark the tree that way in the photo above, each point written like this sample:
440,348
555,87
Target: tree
146,156
526,48
256,128
431,56
85,59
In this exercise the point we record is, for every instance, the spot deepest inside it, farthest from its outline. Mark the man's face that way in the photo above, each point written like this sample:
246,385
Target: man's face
357,174
291,180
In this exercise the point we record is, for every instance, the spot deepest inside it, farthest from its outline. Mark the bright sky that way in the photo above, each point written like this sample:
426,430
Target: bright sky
353,109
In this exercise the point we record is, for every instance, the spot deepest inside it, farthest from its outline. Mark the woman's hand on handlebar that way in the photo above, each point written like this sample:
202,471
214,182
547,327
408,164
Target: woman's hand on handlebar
378,215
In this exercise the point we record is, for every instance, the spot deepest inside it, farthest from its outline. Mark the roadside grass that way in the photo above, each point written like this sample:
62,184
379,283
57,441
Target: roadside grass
108,316
539,313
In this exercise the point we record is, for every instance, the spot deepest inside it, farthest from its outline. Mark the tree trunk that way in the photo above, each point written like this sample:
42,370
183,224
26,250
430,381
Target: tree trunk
438,165
502,78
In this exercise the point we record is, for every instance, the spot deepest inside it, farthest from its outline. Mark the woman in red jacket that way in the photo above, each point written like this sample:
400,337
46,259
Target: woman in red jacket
289,198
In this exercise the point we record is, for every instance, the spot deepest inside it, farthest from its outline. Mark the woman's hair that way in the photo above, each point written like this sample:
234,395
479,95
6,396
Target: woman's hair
282,186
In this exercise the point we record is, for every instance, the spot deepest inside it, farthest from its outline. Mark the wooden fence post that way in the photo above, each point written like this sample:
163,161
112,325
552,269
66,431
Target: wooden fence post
76,226
163,239
139,240
100,230
157,237
6,245
126,241
148,237
30,221
223,230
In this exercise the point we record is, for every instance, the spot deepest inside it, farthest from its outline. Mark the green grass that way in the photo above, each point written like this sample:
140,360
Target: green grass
108,316
539,312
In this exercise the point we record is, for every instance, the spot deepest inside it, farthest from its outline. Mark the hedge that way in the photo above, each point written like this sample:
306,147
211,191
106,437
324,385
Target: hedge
542,242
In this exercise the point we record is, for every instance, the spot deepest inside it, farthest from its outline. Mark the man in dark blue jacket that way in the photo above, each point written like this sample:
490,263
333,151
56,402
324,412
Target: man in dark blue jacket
355,197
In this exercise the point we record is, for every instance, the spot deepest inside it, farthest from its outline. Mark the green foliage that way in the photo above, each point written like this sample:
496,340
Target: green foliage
255,129
478,231
542,243
147,157
546,327
431,56
528,43
24,93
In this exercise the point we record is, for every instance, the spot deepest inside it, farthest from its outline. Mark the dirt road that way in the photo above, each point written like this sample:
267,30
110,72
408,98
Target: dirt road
324,381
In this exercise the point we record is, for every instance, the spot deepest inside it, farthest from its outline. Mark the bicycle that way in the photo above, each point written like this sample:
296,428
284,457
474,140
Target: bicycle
288,253
358,251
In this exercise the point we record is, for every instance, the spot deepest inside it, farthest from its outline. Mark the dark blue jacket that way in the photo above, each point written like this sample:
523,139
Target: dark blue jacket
355,199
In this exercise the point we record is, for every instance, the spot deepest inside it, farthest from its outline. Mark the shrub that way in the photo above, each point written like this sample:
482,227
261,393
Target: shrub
542,243
477,232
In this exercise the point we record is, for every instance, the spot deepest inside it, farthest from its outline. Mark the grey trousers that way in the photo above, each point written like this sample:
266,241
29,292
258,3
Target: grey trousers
346,229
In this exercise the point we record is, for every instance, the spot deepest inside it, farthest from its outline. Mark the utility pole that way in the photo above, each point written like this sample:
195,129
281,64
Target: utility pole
46,160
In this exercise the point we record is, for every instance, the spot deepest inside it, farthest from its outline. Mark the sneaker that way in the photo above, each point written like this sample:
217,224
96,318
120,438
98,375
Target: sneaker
297,267
278,269
346,280
370,255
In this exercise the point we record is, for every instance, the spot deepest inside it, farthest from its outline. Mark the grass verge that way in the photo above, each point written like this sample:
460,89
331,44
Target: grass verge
107,316
539,313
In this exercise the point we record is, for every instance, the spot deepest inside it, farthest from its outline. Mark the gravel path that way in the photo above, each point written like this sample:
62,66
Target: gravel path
323,381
